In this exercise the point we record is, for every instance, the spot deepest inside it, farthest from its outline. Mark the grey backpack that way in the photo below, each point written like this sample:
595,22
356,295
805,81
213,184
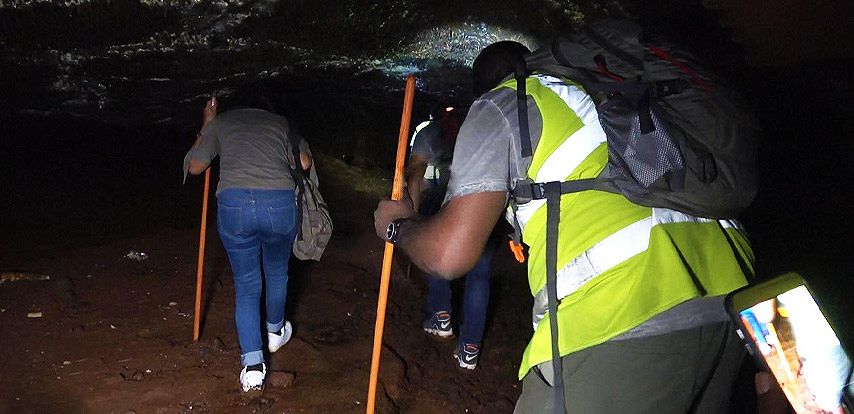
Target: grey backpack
677,137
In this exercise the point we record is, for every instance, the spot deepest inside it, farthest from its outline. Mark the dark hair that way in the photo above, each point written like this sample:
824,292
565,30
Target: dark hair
495,62
255,96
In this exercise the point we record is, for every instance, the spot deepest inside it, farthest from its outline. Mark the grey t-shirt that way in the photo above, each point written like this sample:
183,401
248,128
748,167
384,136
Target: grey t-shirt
254,149
487,157
487,152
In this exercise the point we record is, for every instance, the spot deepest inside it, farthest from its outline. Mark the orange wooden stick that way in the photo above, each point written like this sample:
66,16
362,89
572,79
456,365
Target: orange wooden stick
201,265
396,194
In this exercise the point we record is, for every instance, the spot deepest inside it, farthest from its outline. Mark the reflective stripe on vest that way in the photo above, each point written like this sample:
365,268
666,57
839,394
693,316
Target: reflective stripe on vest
417,130
613,250
432,172
571,152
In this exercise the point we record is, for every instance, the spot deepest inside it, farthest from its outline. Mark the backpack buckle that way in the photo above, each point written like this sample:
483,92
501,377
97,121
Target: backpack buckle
538,191
525,191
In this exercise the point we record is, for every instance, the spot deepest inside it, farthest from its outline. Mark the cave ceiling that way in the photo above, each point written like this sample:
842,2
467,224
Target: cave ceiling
143,61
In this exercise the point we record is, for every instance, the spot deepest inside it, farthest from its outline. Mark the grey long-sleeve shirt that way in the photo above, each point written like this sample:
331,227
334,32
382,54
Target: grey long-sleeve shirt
254,149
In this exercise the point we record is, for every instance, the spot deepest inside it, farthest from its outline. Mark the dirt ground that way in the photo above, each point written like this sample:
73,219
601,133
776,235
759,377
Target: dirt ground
86,327
105,333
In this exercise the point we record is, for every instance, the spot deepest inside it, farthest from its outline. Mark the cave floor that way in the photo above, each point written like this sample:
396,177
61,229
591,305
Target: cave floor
110,334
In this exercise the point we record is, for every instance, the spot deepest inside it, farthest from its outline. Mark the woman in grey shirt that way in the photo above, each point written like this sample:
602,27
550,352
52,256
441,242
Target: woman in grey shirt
256,217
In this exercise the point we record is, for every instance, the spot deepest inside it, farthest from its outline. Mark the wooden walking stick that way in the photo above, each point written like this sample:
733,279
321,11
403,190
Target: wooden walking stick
209,112
396,194
197,317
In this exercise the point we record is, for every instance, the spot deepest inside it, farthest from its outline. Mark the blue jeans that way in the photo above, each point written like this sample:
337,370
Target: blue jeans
475,298
255,226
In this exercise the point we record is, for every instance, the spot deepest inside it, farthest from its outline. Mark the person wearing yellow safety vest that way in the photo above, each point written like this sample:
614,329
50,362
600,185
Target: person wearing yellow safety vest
640,317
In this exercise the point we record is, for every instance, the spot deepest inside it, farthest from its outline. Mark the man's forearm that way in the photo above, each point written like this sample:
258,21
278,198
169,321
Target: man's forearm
449,243
425,251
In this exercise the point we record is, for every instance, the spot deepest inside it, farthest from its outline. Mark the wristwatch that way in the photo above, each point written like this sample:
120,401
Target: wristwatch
392,232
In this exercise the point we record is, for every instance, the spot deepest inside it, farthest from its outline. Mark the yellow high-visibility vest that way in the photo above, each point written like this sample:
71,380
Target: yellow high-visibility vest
619,263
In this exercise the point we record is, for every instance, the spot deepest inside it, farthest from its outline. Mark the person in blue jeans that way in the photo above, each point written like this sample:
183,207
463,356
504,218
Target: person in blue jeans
256,219
475,304
427,176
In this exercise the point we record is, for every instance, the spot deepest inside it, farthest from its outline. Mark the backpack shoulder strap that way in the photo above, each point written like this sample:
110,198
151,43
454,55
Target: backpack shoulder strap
521,77
553,192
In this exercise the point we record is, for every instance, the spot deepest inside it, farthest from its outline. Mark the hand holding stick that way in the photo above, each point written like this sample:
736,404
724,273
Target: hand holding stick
396,194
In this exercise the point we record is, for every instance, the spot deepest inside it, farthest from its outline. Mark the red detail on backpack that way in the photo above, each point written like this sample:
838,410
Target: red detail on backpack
663,54
603,69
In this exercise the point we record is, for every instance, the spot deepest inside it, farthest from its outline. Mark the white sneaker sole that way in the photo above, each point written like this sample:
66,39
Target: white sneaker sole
439,334
252,380
462,362
464,365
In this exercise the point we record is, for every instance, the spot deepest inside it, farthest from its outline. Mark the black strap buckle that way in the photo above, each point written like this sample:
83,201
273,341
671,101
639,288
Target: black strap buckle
538,191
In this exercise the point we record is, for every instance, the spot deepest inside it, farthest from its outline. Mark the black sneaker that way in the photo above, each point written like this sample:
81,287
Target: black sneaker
439,325
467,355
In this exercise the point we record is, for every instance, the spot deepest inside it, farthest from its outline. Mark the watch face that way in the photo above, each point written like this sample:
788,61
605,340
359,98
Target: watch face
389,231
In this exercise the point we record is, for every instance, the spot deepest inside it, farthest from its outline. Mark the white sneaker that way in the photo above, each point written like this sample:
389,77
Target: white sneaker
253,380
276,340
